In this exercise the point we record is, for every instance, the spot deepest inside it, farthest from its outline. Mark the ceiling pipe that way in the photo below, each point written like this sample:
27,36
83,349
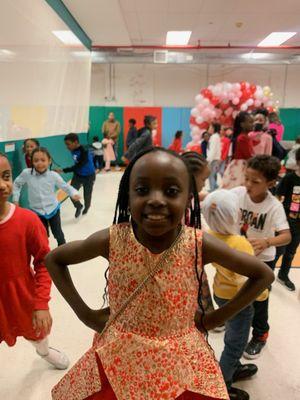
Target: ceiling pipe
228,47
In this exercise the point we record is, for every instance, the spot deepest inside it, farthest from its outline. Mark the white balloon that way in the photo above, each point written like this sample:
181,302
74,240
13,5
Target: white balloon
199,119
195,112
198,98
244,107
195,130
205,102
200,107
250,102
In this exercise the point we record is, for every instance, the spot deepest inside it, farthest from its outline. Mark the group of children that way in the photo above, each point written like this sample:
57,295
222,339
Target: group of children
150,342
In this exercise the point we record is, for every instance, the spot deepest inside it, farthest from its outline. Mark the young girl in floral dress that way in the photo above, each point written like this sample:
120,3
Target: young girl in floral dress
152,346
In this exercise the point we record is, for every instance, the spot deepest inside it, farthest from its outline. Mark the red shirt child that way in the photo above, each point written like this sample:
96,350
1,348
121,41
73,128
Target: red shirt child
243,147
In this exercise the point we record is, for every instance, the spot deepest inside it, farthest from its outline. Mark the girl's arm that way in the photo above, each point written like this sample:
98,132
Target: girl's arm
260,277
61,184
19,182
76,252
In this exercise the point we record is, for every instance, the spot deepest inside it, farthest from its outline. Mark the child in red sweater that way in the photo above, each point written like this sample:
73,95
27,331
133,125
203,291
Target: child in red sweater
24,293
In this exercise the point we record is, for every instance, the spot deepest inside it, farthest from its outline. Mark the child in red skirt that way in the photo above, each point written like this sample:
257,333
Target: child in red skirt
24,293
152,347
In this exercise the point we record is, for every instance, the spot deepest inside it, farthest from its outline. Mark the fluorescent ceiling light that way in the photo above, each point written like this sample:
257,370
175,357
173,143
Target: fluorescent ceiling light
256,56
276,38
178,38
67,37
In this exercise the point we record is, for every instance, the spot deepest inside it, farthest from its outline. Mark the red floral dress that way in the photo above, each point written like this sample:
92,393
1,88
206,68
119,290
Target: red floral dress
153,350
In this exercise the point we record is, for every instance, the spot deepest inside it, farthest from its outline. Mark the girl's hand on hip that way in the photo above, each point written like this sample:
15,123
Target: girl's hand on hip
42,322
97,319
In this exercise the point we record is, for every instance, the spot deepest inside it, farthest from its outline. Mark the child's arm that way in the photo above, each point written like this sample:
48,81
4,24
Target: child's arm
19,182
82,160
76,252
61,184
37,242
260,276
259,245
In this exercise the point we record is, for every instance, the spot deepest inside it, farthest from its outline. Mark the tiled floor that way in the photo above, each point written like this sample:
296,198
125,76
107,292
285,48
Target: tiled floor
23,376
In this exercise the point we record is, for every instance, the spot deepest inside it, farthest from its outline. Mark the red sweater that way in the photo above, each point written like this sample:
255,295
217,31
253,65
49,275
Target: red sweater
23,289
243,147
176,145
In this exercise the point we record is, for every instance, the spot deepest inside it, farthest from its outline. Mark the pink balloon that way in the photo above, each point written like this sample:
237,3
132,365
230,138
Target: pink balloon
205,102
244,107
257,103
200,107
199,119
235,113
250,102
199,98
236,101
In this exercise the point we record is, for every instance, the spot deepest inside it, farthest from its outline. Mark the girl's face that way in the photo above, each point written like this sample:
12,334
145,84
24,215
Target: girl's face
29,147
158,193
201,177
154,125
6,184
40,162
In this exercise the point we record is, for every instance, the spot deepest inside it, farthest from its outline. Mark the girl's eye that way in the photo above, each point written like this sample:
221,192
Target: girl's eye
141,190
6,177
173,191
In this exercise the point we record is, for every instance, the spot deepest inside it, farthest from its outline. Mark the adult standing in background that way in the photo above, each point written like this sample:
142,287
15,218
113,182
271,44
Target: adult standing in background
276,124
112,128
214,156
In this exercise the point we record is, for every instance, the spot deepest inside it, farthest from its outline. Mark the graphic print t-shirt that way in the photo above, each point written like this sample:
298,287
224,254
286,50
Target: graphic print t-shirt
289,187
261,220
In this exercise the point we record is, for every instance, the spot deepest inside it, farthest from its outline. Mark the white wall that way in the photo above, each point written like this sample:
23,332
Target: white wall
176,85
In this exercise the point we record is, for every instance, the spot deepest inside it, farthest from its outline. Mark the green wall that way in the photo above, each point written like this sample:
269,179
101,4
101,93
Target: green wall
97,116
290,117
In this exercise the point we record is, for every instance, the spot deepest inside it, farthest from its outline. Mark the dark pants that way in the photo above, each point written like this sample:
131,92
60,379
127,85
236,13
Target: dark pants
261,314
235,340
116,149
87,182
55,225
288,252
98,162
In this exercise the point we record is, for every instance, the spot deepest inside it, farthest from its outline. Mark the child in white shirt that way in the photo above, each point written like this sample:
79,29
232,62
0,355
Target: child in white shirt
261,215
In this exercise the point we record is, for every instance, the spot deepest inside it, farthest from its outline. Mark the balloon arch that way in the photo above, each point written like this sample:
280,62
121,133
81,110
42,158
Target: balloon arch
223,101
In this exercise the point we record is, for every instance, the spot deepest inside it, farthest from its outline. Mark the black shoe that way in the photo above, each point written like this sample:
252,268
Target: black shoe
85,211
244,372
78,211
286,282
254,349
238,394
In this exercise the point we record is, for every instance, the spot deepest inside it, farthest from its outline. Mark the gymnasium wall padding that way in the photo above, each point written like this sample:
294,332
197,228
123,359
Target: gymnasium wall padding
175,119
97,116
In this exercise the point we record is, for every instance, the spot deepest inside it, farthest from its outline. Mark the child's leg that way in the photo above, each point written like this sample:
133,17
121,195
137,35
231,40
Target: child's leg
45,223
87,191
55,224
290,249
236,338
76,182
107,165
54,357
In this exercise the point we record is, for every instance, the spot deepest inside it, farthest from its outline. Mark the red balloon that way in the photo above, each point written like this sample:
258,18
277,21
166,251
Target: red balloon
214,100
243,85
204,125
252,88
206,93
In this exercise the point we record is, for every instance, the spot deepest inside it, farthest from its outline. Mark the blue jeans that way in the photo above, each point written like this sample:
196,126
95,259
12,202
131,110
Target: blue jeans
235,340
214,168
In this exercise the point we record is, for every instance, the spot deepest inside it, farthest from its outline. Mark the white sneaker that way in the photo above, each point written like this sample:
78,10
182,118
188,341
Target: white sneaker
117,168
56,358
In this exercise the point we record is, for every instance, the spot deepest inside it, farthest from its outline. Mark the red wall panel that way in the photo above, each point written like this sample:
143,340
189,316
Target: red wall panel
138,113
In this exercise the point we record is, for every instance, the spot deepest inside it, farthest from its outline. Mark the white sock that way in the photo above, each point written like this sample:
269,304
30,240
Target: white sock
41,346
